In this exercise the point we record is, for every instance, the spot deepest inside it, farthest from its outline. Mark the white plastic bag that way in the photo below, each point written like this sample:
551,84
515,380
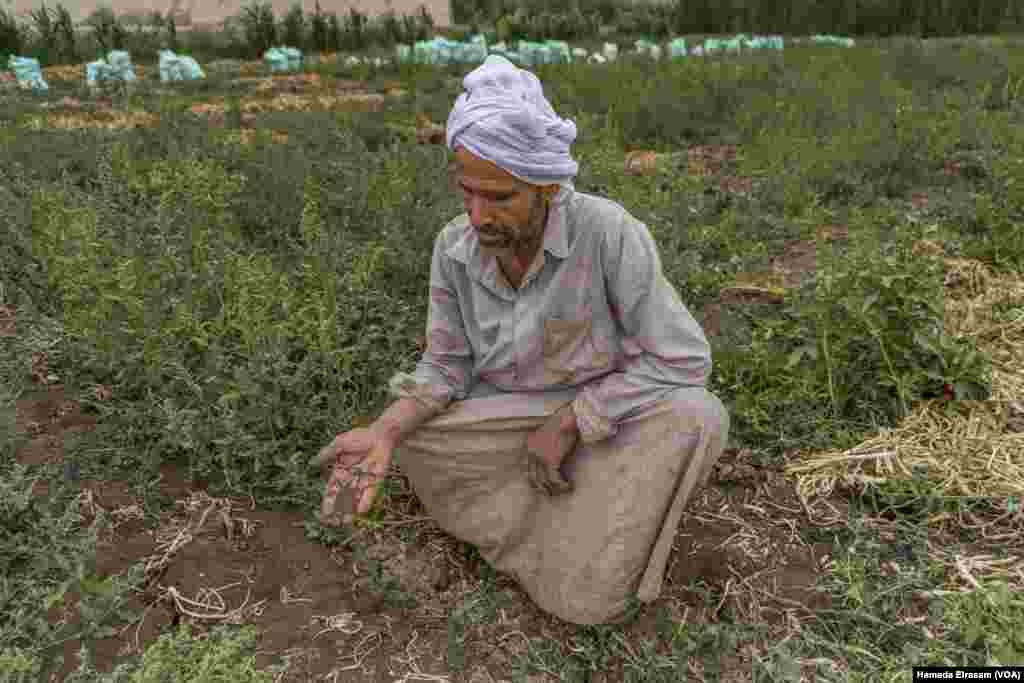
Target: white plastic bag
178,67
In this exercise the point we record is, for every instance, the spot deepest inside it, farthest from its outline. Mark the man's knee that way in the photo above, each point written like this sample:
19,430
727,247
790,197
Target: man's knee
699,408
607,607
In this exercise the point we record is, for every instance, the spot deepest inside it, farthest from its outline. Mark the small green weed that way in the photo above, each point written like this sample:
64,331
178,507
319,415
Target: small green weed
223,654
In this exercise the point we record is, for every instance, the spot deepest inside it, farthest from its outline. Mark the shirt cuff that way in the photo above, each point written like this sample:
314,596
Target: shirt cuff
593,426
435,397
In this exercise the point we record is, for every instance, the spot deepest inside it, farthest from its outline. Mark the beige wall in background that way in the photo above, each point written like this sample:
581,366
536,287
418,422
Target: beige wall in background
203,12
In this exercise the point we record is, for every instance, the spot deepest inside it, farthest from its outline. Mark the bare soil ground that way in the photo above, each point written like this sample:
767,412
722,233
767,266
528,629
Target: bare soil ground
738,552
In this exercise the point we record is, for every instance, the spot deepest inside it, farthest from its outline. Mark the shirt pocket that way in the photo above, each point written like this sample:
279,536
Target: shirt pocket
572,353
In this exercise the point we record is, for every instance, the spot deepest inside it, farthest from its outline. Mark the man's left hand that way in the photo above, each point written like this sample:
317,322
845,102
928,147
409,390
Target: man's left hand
547,447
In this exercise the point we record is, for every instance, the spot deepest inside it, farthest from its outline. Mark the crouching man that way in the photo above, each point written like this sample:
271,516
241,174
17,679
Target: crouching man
558,419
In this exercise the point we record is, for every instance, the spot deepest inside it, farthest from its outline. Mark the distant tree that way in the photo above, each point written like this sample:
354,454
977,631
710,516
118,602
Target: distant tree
294,27
318,29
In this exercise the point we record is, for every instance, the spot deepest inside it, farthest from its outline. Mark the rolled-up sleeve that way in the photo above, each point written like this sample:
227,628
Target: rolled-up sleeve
444,372
664,346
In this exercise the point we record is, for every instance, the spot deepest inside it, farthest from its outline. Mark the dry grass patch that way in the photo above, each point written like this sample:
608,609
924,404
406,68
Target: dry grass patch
103,119
247,136
973,295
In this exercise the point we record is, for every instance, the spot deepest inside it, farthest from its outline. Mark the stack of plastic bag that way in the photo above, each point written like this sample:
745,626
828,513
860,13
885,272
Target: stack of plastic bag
835,40
713,45
178,68
475,51
437,51
441,51
771,42
677,48
117,68
283,59
610,52
735,44
500,49
646,47
548,52
28,73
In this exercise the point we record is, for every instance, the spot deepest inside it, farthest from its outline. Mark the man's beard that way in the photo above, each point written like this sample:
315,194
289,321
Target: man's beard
519,238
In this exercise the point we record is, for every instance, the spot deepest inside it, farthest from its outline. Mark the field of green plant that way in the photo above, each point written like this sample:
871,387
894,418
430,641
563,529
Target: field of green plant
201,283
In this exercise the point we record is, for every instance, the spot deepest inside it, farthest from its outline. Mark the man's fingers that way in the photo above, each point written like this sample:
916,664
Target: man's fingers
536,474
546,478
325,455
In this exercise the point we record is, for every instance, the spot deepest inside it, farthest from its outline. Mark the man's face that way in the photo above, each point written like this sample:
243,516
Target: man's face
507,213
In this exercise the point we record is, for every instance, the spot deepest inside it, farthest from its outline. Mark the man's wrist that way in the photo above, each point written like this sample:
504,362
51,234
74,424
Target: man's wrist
568,424
387,430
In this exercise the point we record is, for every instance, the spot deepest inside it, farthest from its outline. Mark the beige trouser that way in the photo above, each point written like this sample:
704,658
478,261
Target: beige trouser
579,555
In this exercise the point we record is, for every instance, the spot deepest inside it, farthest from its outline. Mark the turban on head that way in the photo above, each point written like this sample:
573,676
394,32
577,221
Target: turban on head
503,117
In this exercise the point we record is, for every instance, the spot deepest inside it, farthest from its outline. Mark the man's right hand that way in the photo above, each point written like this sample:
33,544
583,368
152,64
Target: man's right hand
359,460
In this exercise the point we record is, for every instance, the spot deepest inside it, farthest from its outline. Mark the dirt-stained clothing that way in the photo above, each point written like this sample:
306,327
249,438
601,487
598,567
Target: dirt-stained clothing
594,312
597,324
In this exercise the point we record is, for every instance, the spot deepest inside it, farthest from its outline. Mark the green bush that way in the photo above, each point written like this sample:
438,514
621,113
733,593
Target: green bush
859,344
319,30
260,28
107,30
293,28
12,38
224,655
295,324
47,552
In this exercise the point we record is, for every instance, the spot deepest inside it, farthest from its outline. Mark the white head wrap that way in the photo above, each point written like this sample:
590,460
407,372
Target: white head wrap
503,117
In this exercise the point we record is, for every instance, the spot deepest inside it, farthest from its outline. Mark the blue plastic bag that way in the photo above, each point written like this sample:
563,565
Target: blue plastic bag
677,48
437,51
116,68
178,68
283,59
475,51
28,73
835,40
770,42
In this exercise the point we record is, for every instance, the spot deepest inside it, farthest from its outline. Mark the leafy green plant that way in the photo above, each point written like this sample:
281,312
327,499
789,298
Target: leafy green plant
224,654
12,37
319,30
387,586
259,27
335,33
293,28
479,607
172,33
355,34
67,35
107,31
879,313
44,33
46,555
983,624
858,345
